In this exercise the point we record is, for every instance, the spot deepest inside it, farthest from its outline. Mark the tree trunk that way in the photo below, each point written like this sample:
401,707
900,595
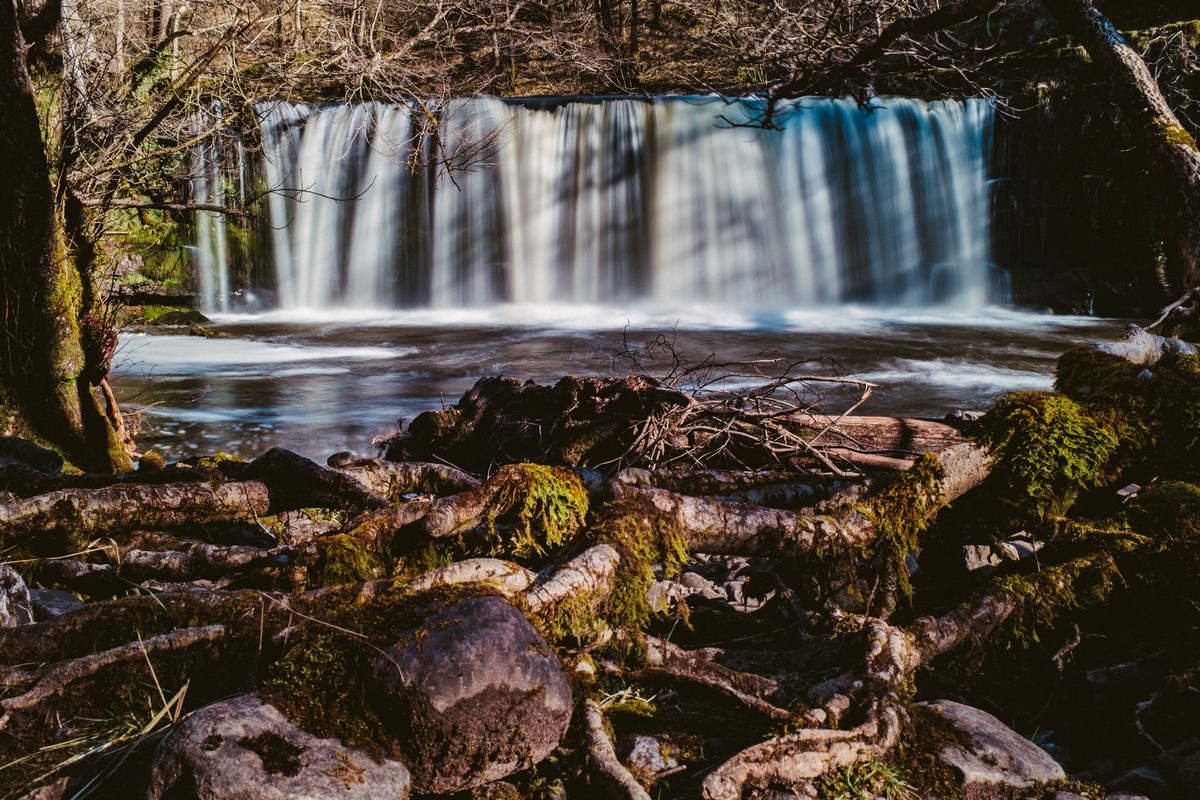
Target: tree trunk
44,374
1174,156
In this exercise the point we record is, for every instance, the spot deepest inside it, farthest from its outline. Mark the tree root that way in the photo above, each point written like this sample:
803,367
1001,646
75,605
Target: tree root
609,773
296,482
720,527
91,513
393,480
664,659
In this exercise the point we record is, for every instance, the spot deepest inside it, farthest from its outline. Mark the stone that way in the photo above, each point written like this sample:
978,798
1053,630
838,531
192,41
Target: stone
472,695
1139,780
695,581
1174,758
180,318
15,608
647,757
998,760
1186,779
50,603
245,749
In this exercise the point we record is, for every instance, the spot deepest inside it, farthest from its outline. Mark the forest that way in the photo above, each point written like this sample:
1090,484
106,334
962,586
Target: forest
686,577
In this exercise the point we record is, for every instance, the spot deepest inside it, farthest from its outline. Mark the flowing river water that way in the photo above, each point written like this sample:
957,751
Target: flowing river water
318,386
539,238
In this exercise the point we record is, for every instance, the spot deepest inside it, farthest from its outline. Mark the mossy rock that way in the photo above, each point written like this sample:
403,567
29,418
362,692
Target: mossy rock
1047,448
472,695
1167,510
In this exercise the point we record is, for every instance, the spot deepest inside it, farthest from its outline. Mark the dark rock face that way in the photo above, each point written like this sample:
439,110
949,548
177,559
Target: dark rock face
244,749
473,694
575,422
51,603
999,761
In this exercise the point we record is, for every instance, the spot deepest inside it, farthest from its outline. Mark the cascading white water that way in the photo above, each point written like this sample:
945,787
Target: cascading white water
670,199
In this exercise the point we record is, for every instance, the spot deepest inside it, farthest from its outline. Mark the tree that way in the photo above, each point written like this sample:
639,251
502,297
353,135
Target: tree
53,352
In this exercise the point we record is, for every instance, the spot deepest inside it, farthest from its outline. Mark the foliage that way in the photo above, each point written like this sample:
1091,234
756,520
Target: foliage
869,779
1047,448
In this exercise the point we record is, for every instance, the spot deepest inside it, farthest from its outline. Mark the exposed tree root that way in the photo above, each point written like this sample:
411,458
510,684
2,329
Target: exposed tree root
667,660
606,769
715,526
297,482
91,513
394,480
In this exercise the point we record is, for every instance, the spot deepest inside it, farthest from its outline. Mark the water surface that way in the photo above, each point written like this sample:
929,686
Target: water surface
318,383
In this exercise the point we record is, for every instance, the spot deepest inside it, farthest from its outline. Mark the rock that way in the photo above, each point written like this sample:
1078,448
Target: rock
1186,779
1124,796
1068,796
980,559
695,581
1140,780
15,608
18,449
472,695
1171,759
49,603
245,749
998,759
647,757
180,318
51,791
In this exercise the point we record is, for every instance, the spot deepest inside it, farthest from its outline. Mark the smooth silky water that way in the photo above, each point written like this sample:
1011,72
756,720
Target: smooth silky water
570,230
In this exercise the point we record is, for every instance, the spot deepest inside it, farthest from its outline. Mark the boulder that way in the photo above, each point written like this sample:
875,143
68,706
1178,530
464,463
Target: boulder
245,749
15,608
1139,780
992,760
472,694
50,603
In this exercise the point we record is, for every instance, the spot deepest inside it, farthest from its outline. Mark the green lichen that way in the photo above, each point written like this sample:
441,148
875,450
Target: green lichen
540,508
1047,448
902,511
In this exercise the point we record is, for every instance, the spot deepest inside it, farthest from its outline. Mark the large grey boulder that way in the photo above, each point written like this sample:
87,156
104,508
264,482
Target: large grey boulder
245,749
472,694
991,759
15,608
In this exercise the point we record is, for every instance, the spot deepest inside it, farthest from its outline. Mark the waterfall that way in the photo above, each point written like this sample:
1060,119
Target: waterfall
672,199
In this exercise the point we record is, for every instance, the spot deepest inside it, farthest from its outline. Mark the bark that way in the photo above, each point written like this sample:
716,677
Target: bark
720,527
89,514
590,574
44,371
614,780
394,480
1137,346
1174,155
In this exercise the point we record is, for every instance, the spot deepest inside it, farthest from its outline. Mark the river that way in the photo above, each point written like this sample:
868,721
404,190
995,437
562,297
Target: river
318,384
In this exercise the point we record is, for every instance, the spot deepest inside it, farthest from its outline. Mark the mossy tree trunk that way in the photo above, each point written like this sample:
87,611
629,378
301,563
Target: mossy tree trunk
1173,153
46,373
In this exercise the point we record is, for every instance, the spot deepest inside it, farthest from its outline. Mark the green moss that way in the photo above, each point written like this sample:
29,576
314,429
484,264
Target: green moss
1047,448
902,511
643,538
344,559
539,507
1167,510
1042,598
1174,134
